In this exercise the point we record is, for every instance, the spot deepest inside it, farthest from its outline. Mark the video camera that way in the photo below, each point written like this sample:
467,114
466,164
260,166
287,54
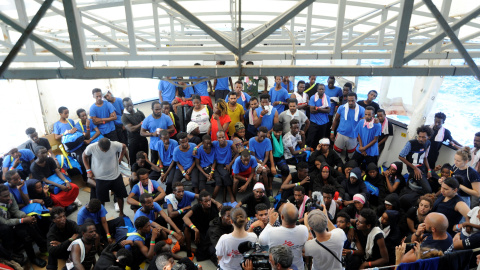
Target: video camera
251,251
316,202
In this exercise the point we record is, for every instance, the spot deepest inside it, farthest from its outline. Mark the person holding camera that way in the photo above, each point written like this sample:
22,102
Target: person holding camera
280,258
229,257
327,245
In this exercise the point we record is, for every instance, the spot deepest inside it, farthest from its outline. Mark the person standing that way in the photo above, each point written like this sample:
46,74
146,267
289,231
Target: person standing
103,115
293,113
387,129
319,109
152,125
166,90
200,114
201,89
118,105
371,96
334,93
439,136
235,111
311,87
278,95
221,85
220,119
242,98
132,120
301,97
251,83
367,135
105,157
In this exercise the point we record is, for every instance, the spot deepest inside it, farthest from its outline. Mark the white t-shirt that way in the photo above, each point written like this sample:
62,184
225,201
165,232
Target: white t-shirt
294,238
104,164
227,247
202,119
475,158
473,219
322,259
302,99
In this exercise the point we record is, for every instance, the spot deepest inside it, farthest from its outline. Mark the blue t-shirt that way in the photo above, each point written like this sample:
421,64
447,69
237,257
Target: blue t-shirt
318,118
239,167
103,112
347,128
168,90
16,192
151,124
27,156
165,155
118,105
286,86
150,215
260,148
205,159
136,188
223,155
222,84
367,136
81,128
241,101
267,120
83,214
59,128
188,198
201,89
185,159
280,95
134,237
188,92
335,92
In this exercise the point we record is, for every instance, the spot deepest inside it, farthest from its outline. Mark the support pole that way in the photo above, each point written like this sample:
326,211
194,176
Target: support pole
24,37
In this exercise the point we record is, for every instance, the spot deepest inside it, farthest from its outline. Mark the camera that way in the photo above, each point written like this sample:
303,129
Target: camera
316,202
251,251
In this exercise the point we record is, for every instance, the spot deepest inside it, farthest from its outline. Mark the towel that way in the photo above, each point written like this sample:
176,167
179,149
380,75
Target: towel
324,100
250,116
277,146
370,241
242,95
385,230
269,109
289,113
369,125
301,211
149,187
440,134
357,110
79,242
385,127
332,210
173,201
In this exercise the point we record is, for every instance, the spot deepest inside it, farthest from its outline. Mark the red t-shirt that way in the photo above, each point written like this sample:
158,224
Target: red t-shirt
223,119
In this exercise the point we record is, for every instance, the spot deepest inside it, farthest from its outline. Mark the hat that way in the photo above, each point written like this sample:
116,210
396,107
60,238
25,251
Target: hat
259,185
359,197
239,126
356,172
389,203
191,127
105,92
324,141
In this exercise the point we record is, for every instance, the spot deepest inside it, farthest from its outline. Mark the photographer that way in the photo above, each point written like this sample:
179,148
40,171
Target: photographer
229,257
280,258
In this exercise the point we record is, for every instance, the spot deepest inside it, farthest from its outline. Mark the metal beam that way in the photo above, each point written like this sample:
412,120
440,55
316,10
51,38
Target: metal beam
17,27
337,45
467,18
130,27
381,33
309,25
24,37
23,19
213,33
463,40
446,4
273,25
72,18
401,36
436,13
156,25
224,71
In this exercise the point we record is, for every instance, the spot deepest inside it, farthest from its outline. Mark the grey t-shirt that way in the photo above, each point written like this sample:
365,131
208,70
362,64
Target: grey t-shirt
104,164
322,259
286,116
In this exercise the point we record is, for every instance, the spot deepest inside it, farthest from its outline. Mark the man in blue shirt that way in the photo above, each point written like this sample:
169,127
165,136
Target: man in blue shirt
165,147
17,188
152,125
179,202
139,239
243,170
205,162
261,148
334,93
183,157
265,115
166,91
319,109
103,115
346,119
278,95
118,105
224,150
19,160
368,133
221,85
94,212
145,185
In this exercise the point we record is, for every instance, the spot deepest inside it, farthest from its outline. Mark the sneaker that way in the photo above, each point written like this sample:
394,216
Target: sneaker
19,258
117,208
168,241
176,248
77,202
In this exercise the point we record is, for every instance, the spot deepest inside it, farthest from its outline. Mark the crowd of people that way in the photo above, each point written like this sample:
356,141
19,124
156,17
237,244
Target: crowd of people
336,207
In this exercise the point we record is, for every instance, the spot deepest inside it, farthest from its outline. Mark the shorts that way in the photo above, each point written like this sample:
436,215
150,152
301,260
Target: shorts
222,177
245,174
343,142
282,166
116,185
